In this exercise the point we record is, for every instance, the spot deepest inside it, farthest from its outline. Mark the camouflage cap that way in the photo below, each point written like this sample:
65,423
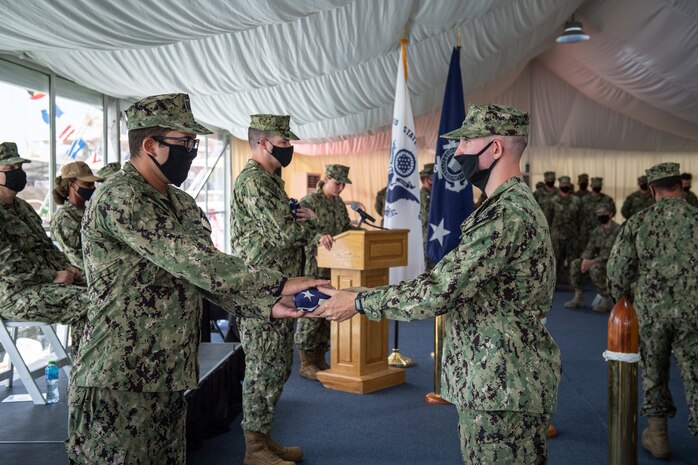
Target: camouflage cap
596,181
604,208
172,111
109,170
642,178
564,179
273,123
490,120
583,177
661,171
339,173
549,175
9,154
78,170
428,170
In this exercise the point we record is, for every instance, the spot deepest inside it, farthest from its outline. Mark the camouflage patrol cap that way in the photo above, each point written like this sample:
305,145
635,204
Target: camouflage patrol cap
339,173
273,123
596,181
642,178
78,170
564,179
9,154
661,171
605,208
583,177
549,175
428,170
490,120
109,170
172,111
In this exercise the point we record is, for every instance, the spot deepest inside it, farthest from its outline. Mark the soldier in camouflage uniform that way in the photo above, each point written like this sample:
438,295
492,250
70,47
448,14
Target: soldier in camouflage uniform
265,233
501,366
380,202
656,254
108,170
583,181
564,230
426,176
75,185
149,260
545,196
37,281
589,205
593,262
313,335
638,200
688,196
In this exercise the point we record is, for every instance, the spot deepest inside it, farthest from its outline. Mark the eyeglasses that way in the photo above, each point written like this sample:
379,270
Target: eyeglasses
187,142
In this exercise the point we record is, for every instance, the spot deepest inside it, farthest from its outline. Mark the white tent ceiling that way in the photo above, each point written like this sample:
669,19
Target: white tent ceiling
331,64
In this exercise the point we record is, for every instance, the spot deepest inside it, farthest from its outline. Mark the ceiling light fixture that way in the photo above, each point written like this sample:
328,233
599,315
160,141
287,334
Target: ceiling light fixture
573,33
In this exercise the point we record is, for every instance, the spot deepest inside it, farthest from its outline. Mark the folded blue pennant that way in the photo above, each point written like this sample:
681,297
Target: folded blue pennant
309,300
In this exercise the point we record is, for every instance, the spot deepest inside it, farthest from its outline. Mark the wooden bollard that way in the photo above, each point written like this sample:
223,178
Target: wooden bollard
622,357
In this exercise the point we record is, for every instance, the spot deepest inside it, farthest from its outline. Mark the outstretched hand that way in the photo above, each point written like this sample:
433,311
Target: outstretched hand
285,308
339,308
295,285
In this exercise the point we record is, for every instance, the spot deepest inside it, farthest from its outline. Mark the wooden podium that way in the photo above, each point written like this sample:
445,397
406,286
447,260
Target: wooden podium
359,346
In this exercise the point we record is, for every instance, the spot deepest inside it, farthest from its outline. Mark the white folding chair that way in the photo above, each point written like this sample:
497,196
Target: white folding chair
8,335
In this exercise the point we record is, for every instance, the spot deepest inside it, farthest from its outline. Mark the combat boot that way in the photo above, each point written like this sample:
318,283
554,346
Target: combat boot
577,302
606,305
320,360
290,453
258,453
308,369
656,439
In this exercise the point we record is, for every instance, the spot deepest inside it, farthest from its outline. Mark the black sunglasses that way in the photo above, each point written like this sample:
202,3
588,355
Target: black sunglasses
188,143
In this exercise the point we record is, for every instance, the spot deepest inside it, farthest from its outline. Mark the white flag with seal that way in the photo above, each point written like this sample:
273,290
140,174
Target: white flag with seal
402,199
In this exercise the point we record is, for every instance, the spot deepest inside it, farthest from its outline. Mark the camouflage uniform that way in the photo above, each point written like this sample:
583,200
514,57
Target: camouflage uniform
598,248
314,334
108,170
65,229
425,201
691,198
638,200
149,260
494,288
590,203
545,197
564,230
29,265
264,233
656,254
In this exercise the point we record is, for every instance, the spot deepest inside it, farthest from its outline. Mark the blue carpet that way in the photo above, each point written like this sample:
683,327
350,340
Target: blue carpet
395,426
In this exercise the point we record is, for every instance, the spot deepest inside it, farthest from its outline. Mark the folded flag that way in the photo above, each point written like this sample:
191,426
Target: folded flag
309,300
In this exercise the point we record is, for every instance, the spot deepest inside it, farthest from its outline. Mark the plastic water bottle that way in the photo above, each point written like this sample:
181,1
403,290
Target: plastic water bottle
51,374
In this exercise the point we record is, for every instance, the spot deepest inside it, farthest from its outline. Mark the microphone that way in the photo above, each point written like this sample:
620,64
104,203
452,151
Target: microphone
364,216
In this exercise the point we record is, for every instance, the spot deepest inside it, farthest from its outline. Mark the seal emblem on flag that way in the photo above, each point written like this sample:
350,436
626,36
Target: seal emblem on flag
449,169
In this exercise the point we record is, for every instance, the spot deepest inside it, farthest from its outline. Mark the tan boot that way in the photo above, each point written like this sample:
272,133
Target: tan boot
308,367
258,453
656,439
606,305
320,360
577,302
290,453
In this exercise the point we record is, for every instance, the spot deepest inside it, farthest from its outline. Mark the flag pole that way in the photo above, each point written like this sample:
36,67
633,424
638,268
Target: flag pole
396,359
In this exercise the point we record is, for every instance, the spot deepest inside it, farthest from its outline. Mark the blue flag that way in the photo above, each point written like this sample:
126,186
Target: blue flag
451,194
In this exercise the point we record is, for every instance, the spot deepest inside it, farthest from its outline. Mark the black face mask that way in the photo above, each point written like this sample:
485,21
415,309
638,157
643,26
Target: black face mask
550,183
85,193
596,189
583,186
473,174
643,186
566,189
687,188
176,168
283,154
16,180
603,219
